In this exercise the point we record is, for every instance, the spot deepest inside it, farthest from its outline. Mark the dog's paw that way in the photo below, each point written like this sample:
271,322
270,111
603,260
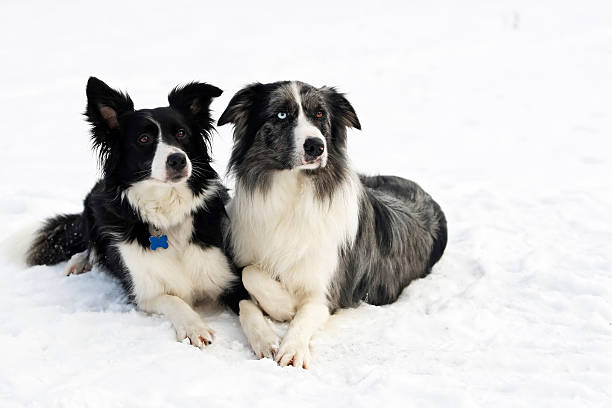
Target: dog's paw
78,264
293,351
265,345
198,334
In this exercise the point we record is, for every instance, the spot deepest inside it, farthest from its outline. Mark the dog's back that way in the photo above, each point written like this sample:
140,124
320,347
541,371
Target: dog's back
419,202
402,234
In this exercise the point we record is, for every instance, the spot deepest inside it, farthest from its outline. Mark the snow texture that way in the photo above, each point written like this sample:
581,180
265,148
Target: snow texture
501,110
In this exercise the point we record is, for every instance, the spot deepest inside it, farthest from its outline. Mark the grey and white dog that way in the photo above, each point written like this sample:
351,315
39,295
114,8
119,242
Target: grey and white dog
312,234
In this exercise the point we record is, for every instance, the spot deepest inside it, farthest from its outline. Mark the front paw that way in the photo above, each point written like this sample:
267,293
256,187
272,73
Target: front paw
293,351
198,333
265,345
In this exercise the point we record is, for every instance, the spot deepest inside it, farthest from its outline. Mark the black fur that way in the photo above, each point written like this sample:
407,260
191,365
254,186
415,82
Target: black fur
59,239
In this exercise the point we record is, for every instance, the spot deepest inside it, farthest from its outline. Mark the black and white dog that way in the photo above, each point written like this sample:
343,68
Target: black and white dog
155,218
312,234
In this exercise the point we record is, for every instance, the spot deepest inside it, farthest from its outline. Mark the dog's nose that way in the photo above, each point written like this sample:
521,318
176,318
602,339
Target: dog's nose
176,161
314,147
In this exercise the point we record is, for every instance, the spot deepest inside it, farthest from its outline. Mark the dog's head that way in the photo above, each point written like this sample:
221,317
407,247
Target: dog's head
165,145
288,125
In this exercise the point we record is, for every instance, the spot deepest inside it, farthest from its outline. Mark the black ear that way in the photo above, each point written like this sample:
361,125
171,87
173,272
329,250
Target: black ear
193,100
239,107
238,112
105,105
341,108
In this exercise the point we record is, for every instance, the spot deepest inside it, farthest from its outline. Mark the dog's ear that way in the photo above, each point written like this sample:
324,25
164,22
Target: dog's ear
105,105
341,108
193,100
104,108
238,109
237,113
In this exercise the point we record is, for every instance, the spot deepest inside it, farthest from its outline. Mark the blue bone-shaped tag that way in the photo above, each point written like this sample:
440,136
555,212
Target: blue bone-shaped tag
159,242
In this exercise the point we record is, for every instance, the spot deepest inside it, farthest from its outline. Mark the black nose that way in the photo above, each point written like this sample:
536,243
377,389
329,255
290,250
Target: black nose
176,161
314,147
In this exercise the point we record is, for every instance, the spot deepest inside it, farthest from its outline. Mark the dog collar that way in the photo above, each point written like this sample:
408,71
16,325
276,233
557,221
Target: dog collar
158,239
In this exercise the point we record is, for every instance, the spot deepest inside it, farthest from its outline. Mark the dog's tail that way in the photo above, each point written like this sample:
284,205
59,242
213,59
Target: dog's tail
57,240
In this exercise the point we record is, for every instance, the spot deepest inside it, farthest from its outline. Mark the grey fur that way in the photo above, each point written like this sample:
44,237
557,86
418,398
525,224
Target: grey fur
402,234
402,231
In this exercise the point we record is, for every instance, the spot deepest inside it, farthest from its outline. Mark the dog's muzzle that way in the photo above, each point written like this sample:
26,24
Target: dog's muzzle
176,167
314,152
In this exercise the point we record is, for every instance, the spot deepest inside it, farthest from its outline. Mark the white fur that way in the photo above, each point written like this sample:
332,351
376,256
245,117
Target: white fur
15,247
260,334
165,205
78,263
271,296
304,130
294,348
293,236
291,233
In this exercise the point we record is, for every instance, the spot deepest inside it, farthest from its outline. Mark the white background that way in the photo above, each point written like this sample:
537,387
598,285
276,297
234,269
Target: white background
501,110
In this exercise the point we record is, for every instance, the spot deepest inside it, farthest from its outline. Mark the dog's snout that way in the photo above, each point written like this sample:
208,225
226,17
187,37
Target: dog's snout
176,161
314,147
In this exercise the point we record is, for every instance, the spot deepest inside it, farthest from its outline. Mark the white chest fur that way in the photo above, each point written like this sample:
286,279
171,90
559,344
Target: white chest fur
184,269
165,205
292,234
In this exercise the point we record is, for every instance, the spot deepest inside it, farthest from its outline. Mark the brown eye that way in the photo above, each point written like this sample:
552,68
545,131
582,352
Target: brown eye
180,133
144,139
319,115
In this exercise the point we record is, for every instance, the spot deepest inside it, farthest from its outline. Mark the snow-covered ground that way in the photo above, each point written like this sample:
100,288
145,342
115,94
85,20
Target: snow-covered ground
501,110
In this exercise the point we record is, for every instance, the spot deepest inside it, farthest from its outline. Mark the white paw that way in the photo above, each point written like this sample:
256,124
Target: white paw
265,344
78,264
293,351
198,333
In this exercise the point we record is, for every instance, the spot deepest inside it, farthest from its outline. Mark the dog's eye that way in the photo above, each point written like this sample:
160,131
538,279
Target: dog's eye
180,133
144,139
282,115
319,114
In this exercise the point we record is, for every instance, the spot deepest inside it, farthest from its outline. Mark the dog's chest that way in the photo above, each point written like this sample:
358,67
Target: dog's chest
291,232
184,269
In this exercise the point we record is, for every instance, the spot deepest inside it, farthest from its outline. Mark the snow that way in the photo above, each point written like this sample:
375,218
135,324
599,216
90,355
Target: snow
500,110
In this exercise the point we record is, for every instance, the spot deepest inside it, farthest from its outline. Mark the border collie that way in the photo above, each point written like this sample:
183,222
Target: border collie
312,234
155,218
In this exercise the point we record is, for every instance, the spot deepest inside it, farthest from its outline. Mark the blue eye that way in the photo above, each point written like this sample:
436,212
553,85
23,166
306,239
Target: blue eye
282,115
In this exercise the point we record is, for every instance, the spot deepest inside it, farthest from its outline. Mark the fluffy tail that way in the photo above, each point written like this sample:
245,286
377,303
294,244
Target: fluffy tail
57,240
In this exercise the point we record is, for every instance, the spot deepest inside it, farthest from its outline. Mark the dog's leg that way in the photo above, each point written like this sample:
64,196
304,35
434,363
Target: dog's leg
262,338
295,347
78,264
271,296
186,321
